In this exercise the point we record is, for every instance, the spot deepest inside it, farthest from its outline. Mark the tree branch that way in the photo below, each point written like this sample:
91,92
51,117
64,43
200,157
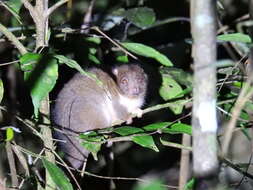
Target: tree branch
184,162
153,108
13,169
13,39
204,120
55,6
245,94
114,42
29,7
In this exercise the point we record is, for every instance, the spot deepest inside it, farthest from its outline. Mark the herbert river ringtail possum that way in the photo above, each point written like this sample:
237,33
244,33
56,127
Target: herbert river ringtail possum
84,105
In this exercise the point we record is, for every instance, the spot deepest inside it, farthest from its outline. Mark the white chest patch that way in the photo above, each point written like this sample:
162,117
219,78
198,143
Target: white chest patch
131,103
109,111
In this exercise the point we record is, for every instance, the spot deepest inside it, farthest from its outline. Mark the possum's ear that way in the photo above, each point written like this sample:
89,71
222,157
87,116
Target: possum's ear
115,71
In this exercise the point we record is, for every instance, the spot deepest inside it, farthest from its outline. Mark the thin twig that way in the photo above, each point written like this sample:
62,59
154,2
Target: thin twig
154,108
66,166
18,38
230,115
128,179
13,39
121,178
163,106
11,160
87,18
227,76
163,22
176,145
184,162
9,63
238,169
30,124
247,169
30,8
38,156
21,159
244,96
114,42
55,6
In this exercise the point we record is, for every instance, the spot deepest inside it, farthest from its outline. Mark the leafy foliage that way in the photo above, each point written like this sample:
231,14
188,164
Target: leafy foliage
14,6
145,141
41,74
92,142
127,130
141,17
57,175
141,27
9,134
235,37
147,51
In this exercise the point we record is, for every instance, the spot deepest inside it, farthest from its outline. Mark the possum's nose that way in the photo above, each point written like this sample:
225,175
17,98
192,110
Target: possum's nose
135,91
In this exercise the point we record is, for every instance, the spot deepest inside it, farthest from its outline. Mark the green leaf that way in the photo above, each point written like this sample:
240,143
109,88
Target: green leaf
178,128
122,58
238,84
9,134
146,141
88,135
92,51
177,106
179,75
41,79
245,116
73,64
185,91
57,175
141,17
92,142
127,130
29,61
190,184
13,6
92,136
105,130
227,70
1,90
147,51
235,37
151,185
94,59
155,126
170,88
94,148
94,40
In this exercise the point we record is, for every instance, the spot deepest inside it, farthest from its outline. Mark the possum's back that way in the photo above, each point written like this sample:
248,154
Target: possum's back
79,107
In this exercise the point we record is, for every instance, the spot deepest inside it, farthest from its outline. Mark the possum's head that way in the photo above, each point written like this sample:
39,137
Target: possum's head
131,80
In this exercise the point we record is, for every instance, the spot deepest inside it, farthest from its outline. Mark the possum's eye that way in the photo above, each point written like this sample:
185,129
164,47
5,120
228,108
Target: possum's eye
124,81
